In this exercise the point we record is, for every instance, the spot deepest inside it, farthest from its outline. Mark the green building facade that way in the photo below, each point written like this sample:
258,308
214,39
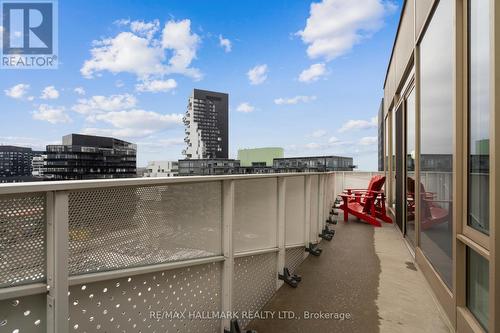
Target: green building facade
259,155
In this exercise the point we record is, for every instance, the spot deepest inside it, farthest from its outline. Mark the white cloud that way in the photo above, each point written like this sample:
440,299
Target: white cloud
333,140
143,51
135,123
122,22
35,143
257,74
163,143
117,132
245,108
79,90
99,104
126,52
359,125
225,44
156,86
18,91
294,100
140,119
178,38
312,145
368,140
335,26
49,92
318,133
146,29
51,114
313,73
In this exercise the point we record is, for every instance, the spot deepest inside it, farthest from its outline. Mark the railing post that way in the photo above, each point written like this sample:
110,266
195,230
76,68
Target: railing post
343,181
57,262
281,216
321,202
307,210
227,249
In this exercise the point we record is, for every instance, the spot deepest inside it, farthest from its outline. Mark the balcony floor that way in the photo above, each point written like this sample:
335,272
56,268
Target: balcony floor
364,271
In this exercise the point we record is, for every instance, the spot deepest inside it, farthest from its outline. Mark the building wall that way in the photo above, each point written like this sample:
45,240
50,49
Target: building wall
467,284
249,156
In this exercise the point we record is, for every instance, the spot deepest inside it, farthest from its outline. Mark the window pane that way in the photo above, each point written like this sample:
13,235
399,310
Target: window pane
393,176
478,286
479,114
436,150
410,166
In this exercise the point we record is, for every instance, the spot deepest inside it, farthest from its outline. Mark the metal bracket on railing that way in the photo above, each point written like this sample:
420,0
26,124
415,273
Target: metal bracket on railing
326,237
314,249
328,231
291,279
235,328
331,221
336,205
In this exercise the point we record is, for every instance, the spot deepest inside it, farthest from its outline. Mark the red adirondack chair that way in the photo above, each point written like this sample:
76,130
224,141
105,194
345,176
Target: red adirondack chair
366,204
432,212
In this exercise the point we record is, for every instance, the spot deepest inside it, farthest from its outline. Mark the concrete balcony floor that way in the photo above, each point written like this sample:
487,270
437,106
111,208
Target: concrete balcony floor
364,271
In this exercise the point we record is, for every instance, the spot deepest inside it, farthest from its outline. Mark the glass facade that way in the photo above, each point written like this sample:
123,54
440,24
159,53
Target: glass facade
410,166
436,144
479,114
478,286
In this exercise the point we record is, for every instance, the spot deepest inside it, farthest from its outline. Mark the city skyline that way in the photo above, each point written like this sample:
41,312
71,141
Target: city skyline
284,88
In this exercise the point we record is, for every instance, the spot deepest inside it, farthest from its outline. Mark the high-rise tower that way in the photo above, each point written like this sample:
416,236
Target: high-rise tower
206,123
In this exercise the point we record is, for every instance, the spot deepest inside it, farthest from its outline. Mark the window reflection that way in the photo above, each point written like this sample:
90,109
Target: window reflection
410,166
479,110
478,286
436,114
393,187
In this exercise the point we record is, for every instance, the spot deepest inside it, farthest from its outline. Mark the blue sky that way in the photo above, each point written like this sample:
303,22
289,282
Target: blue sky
306,76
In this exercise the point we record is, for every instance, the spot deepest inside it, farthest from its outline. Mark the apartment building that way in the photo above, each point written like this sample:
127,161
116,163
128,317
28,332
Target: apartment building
207,124
90,157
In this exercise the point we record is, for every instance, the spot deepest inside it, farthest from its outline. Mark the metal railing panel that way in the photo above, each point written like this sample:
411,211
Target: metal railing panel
254,283
116,228
22,239
294,257
23,314
149,302
294,210
255,218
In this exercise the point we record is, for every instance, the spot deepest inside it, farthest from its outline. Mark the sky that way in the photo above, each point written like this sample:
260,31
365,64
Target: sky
303,75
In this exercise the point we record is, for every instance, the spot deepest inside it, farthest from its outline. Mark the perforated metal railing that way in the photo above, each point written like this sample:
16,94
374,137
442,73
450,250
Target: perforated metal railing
153,255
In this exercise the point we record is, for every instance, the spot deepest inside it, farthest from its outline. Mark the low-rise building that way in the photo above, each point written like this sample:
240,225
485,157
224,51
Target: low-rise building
162,169
90,157
216,166
313,164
